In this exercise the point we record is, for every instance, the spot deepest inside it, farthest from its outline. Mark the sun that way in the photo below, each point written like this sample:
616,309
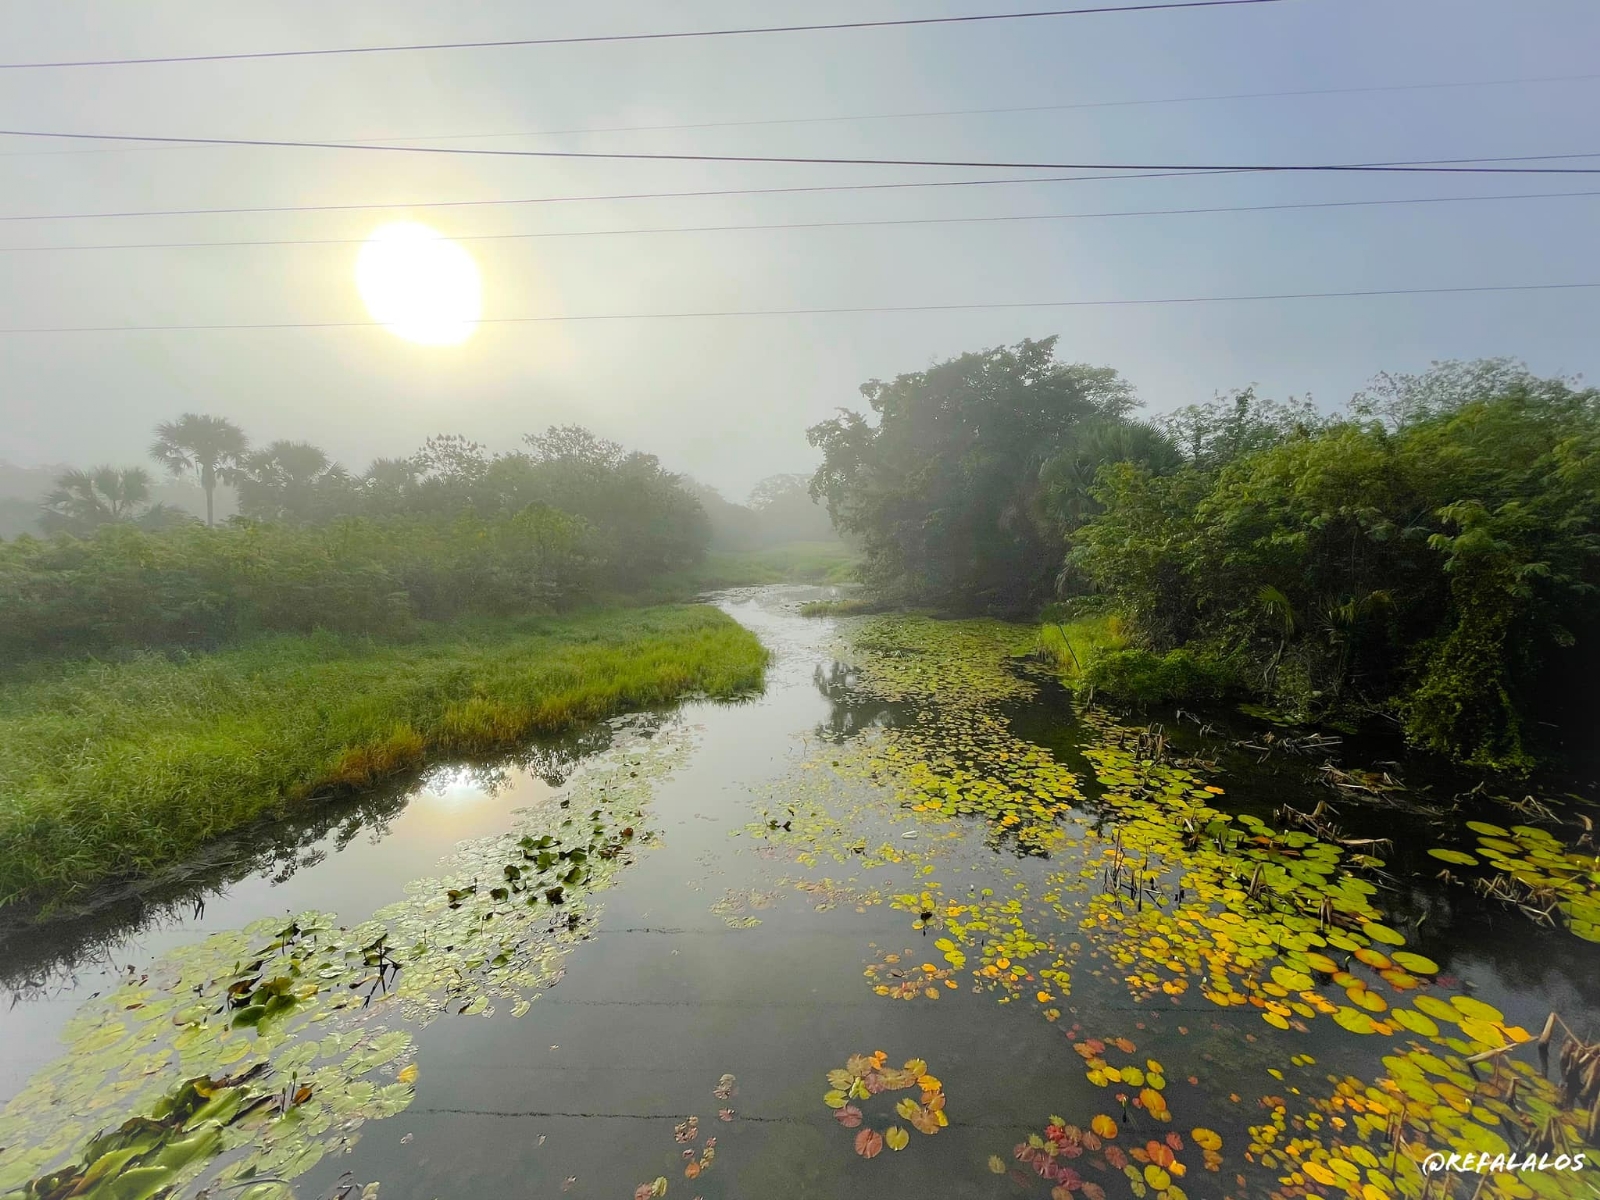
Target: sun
419,284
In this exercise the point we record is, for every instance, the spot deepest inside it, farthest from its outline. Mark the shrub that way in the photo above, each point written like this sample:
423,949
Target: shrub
1148,677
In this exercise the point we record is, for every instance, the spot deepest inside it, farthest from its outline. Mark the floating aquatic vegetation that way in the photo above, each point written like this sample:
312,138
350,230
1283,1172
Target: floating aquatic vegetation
1150,1079
1190,897
697,1157
953,754
828,893
1373,785
1063,1152
1533,872
298,1008
735,902
242,1006
1151,883
1464,1087
900,976
1189,894
863,1078
1274,919
1146,1160
150,1154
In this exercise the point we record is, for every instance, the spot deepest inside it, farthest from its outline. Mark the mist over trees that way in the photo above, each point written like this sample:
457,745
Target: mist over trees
209,448
948,490
780,509
451,531
1432,553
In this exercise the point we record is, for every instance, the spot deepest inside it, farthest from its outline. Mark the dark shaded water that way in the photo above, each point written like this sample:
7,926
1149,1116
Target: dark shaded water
581,1095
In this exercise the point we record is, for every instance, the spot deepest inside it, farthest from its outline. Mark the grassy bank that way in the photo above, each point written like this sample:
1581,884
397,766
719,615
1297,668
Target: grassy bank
108,771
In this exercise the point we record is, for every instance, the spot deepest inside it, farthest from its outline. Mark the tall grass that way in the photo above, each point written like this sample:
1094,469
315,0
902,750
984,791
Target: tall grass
1094,656
1075,646
113,770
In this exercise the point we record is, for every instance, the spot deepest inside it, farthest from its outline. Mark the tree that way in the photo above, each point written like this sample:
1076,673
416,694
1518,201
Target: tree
1447,387
787,512
389,486
646,519
290,481
1067,479
209,447
944,490
1212,435
82,501
733,526
450,456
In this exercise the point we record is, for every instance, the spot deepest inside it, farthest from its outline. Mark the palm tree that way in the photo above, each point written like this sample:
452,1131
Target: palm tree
84,500
1068,478
285,481
389,485
211,447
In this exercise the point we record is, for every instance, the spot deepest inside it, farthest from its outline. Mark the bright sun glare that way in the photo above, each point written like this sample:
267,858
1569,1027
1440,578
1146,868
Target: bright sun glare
419,284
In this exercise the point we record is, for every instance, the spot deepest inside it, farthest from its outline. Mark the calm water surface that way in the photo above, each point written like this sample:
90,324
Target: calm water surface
580,1096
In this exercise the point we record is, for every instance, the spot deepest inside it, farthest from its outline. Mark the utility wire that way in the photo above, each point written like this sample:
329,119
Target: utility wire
1184,168
482,203
702,193
678,35
775,225
895,116
807,312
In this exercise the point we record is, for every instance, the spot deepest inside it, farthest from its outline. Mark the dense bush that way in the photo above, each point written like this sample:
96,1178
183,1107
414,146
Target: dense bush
1432,554
1147,677
448,532
1436,554
198,587
642,519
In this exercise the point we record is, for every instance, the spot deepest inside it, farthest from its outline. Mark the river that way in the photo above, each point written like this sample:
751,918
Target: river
908,923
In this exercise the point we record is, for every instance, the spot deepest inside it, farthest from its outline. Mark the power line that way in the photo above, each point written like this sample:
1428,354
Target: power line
798,160
854,224
591,39
698,194
892,116
842,310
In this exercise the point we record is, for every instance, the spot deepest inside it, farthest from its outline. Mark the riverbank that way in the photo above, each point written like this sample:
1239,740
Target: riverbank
112,770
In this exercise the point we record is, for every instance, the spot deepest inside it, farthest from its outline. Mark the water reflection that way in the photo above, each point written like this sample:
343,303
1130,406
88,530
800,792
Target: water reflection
851,711
53,958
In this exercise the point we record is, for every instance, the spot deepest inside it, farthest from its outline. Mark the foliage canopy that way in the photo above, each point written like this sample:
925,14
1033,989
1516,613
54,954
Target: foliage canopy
1432,553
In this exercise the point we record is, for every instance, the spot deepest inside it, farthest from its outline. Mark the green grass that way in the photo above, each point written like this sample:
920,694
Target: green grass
113,770
1093,656
1074,646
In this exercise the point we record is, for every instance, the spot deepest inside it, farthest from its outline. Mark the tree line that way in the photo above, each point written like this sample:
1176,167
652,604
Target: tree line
297,482
1430,554
453,530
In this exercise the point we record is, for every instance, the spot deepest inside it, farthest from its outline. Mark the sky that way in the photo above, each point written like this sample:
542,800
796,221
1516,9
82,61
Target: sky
728,400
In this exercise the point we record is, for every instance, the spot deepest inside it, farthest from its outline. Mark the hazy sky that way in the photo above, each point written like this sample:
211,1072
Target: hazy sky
728,399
